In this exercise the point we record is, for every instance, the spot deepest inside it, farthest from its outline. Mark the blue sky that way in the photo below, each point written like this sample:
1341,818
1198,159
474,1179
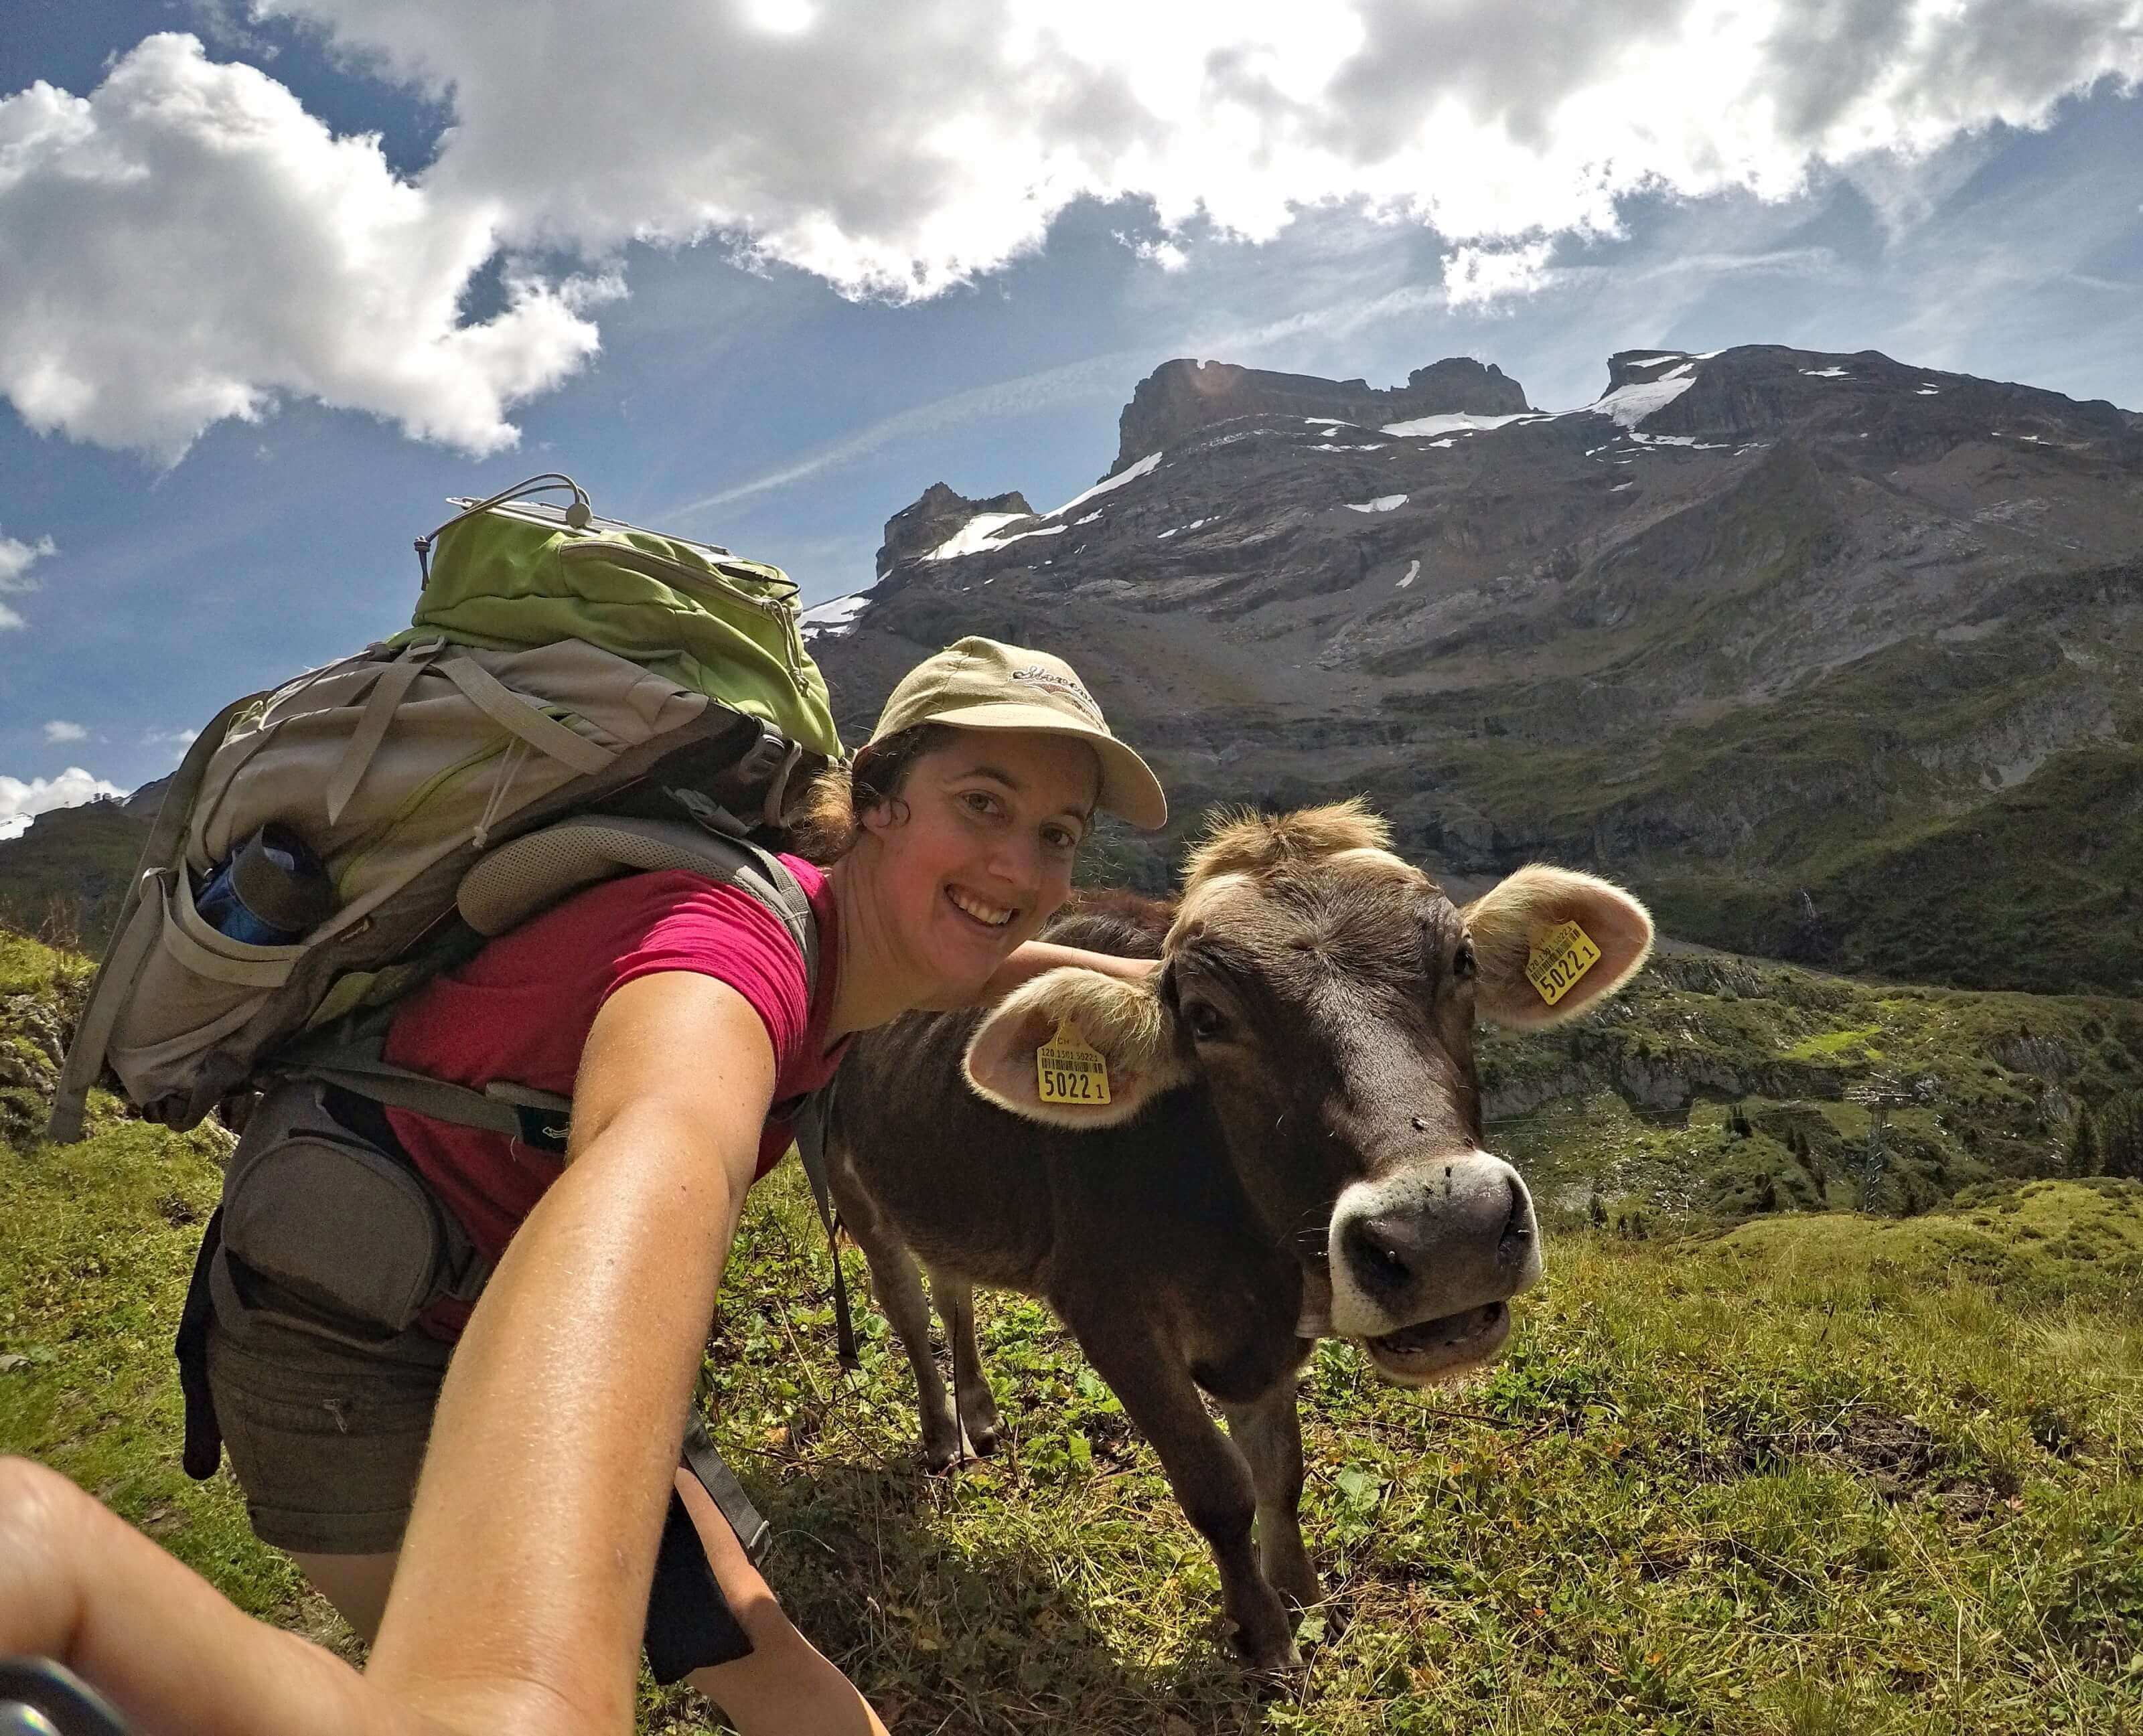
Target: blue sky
276,280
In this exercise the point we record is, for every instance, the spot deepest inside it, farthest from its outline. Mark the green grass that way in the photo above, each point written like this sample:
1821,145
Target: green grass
1821,1473
1811,1473
1836,1042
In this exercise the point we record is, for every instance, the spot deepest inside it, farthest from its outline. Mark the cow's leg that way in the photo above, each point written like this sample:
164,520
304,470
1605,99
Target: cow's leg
897,1282
1270,1433
1211,1481
971,1385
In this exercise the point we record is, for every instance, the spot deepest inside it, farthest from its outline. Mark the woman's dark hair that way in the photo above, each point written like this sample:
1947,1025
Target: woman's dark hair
832,810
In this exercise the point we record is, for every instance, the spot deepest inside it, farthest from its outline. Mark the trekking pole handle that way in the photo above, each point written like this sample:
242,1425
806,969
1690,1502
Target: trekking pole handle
40,1698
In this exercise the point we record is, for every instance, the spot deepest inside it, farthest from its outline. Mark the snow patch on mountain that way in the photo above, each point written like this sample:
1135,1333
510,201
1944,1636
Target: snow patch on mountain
834,619
1629,405
1424,426
973,536
1129,474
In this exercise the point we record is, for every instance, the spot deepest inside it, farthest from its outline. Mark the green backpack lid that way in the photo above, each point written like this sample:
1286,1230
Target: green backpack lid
509,573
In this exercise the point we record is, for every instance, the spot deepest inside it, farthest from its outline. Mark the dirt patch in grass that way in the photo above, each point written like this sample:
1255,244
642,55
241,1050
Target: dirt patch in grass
1896,1458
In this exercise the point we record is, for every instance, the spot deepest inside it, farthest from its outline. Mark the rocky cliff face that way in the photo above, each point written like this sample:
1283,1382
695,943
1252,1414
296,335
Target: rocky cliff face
1829,655
917,529
1181,397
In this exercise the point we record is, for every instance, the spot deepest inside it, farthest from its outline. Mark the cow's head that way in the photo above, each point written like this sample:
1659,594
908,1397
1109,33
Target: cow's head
1325,991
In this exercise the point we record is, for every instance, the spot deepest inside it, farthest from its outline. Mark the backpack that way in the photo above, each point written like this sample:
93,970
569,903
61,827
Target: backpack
575,698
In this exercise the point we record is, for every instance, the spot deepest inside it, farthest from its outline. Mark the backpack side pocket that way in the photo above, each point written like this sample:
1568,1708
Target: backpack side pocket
324,1232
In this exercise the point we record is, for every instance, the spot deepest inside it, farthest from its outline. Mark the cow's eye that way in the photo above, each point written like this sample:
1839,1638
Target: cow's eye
1462,964
1206,1019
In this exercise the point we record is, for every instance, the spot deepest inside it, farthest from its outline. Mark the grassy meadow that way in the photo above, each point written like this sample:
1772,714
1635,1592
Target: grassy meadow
1798,1470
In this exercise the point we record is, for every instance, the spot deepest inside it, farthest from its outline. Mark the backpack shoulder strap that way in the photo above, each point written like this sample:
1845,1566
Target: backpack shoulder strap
516,880
511,884
519,878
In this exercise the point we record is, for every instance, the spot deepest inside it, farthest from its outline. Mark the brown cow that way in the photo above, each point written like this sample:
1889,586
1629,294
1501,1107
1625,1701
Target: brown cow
1292,1147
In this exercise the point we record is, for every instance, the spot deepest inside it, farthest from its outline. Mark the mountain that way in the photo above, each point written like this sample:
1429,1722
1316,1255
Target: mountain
1834,658
66,877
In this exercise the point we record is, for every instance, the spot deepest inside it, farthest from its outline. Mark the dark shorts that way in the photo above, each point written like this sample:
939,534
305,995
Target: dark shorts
325,1441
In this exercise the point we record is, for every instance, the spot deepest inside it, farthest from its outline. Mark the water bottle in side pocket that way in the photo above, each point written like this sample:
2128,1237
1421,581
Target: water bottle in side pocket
272,891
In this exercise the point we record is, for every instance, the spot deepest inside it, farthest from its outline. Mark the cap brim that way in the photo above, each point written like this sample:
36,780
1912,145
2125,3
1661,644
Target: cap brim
1129,788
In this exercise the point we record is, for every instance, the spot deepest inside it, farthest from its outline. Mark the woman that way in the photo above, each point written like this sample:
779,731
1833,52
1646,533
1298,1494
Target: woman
516,1597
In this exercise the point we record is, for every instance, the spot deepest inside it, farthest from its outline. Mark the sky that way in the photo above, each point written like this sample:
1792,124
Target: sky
279,276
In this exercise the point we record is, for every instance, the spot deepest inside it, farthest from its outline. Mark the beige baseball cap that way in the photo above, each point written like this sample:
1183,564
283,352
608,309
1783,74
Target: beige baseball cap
979,684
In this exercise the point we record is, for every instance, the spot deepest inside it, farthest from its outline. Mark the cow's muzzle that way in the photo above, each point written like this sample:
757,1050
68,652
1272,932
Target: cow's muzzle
1423,1260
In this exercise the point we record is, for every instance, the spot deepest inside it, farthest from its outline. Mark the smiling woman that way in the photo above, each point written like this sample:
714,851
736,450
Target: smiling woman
511,1585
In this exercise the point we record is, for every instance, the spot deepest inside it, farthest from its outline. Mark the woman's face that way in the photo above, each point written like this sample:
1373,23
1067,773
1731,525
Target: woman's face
977,853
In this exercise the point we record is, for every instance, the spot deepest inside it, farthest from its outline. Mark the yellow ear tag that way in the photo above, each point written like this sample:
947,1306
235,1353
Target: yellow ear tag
1559,957
1070,1069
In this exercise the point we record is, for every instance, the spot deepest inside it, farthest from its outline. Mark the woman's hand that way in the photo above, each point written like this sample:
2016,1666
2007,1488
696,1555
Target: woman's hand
79,1585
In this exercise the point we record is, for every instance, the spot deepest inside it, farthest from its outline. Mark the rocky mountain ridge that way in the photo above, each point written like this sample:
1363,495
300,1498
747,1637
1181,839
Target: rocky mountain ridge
1179,397
1833,657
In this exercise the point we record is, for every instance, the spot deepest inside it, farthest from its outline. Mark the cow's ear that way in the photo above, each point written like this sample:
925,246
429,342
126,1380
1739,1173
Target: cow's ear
1127,1023
1524,913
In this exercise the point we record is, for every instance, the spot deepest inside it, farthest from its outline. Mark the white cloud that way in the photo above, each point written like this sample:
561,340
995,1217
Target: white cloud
1168,254
898,150
58,730
16,558
175,742
187,244
1476,276
20,803
947,136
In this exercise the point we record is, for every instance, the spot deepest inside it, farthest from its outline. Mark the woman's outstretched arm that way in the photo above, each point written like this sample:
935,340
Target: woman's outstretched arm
524,1577
524,1574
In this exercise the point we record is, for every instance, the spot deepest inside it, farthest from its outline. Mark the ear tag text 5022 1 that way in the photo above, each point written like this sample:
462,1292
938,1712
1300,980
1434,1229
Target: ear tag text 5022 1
1560,957
1070,1069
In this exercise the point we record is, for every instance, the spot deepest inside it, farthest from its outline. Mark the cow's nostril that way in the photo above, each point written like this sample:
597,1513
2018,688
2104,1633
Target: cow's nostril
1518,1226
1378,1253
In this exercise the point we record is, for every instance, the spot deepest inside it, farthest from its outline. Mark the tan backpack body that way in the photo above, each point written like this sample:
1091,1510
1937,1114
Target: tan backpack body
403,766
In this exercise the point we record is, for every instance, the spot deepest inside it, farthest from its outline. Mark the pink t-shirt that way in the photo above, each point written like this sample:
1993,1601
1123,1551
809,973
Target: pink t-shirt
520,1011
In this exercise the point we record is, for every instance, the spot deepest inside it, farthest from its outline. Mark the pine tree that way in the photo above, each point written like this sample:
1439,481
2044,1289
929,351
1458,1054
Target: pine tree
2085,1156
2121,1137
